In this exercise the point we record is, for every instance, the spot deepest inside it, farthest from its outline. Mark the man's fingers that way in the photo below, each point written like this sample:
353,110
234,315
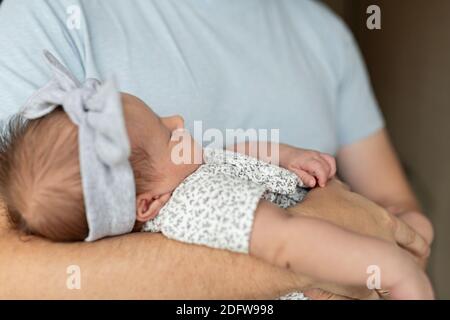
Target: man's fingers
409,239
384,294
318,294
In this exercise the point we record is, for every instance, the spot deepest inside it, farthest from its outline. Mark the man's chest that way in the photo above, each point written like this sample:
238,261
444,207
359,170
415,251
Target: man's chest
249,75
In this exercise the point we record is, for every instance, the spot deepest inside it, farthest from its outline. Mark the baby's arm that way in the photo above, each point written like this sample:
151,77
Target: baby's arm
329,253
312,167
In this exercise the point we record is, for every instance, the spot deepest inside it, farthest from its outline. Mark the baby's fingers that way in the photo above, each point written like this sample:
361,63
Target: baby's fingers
331,162
307,179
319,168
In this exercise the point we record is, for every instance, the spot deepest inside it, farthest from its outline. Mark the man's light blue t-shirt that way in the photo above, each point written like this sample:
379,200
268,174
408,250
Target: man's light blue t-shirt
262,64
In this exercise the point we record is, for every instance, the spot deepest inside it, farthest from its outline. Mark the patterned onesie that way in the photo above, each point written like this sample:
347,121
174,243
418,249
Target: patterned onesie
215,206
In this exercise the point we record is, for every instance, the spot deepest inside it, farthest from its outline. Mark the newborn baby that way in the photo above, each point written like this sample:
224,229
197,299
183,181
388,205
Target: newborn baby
227,201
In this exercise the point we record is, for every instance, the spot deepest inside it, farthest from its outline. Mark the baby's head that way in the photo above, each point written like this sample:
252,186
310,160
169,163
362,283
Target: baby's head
40,178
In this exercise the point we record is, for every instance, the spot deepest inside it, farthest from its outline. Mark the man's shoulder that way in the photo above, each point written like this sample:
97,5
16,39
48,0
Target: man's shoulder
27,28
22,11
317,14
326,33
23,20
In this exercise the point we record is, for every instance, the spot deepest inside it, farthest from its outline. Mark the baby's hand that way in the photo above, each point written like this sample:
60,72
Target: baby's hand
312,167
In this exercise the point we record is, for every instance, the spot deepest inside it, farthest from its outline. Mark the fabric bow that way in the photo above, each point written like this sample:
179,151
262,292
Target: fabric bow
107,176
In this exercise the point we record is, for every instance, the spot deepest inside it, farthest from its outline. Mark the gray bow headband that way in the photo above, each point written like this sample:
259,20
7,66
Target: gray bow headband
107,177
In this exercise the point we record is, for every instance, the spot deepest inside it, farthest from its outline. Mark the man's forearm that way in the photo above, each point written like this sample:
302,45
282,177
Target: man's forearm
137,266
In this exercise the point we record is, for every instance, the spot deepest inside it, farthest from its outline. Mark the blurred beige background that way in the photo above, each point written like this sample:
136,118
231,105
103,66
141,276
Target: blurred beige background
409,64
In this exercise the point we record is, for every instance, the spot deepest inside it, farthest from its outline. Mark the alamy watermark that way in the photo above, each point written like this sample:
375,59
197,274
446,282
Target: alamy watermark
374,280
260,143
74,16
373,22
73,281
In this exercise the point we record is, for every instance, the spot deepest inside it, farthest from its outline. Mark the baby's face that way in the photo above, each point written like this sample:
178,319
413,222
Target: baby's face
154,134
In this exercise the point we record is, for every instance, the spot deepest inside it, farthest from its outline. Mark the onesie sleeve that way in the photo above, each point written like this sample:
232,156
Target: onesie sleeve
210,208
274,178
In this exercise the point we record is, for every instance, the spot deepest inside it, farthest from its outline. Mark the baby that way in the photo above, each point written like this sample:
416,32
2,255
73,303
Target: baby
84,162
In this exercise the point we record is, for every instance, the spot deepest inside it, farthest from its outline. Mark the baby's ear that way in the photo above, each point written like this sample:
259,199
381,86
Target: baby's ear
148,205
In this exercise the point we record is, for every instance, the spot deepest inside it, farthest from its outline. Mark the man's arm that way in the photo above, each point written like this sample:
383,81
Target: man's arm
373,170
136,266
150,266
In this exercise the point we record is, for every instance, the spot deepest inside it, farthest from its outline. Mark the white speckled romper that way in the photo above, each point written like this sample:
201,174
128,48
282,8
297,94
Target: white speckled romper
215,205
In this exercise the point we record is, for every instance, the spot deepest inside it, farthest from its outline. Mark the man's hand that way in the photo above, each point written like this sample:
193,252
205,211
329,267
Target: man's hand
419,223
365,163
337,204
416,220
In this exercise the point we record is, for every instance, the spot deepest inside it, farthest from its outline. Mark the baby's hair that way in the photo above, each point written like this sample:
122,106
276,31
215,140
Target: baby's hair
40,179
